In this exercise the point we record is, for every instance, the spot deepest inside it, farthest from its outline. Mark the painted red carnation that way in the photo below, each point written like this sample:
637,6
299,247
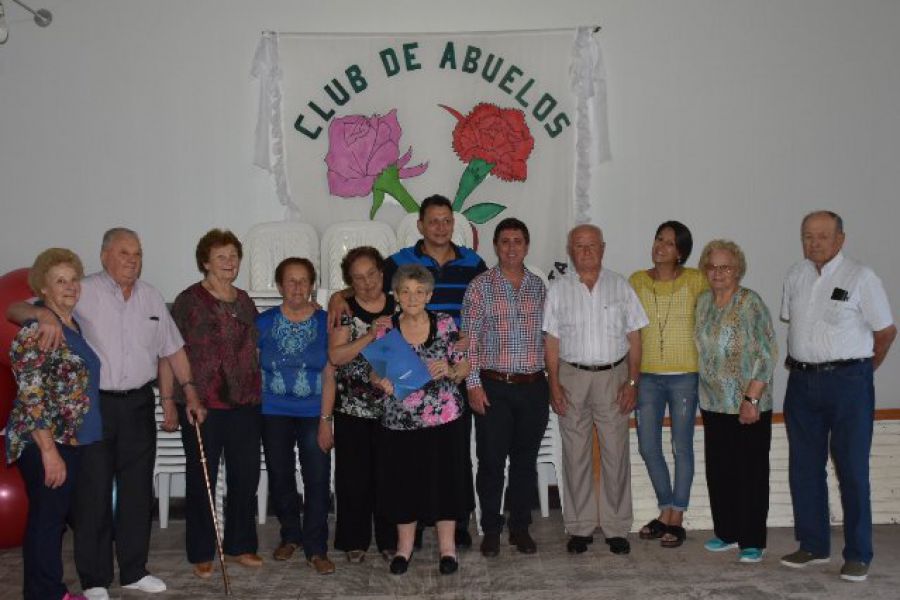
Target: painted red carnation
496,135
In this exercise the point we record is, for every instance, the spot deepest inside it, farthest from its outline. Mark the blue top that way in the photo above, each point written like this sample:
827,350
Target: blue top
450,279
91,429
292,356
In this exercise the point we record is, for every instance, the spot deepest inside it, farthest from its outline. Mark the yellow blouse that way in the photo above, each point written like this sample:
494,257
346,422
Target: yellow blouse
668,341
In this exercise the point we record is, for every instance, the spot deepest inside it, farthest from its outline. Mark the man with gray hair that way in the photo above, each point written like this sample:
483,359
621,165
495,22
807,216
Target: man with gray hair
592,322
840,330
128,325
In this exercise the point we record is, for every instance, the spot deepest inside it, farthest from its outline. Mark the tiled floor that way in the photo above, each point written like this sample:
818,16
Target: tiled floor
648,572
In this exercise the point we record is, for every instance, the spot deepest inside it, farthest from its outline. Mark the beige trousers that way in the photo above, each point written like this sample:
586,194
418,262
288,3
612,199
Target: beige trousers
592,403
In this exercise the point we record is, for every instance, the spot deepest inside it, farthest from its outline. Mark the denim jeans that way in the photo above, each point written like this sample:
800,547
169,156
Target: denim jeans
679,393
831,410
280,435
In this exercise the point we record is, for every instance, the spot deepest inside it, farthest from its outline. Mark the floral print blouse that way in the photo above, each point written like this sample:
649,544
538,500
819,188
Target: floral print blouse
356,396
220,341
54,392
292,356
439,402
736,344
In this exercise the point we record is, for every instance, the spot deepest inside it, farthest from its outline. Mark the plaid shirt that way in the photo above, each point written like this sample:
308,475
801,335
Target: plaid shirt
504,324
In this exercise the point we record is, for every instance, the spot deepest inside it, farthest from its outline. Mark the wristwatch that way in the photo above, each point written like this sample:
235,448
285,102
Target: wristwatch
328,418
752,401
632,383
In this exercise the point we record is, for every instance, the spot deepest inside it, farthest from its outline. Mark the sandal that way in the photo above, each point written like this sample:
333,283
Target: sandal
653,530
675,531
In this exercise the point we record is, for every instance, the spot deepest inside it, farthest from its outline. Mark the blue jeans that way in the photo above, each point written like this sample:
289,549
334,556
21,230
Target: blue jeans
280,435
679,393
831,410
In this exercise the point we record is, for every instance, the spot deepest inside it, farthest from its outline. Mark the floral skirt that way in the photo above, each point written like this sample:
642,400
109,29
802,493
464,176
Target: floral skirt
425,474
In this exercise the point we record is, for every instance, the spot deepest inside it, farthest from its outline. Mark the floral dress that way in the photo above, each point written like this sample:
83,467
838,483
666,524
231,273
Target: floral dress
439,402
356,396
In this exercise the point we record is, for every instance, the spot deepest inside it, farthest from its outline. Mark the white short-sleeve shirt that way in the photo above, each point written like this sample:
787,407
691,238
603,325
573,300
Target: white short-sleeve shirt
592,325
832,315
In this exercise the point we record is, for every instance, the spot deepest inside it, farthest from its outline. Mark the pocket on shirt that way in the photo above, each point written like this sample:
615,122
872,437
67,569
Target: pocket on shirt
614,312
838,312
149,330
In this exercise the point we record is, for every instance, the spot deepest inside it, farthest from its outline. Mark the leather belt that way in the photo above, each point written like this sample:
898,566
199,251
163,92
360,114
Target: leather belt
595,368
796,365
143,388
514,378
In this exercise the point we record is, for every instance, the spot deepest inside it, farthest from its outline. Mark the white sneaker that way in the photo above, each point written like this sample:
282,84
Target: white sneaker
147,583
95,593
4,28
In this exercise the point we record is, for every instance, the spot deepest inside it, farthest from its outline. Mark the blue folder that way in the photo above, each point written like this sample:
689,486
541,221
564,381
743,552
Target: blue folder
393,357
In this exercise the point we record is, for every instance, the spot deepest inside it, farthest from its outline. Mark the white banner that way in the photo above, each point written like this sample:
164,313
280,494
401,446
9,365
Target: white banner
366,126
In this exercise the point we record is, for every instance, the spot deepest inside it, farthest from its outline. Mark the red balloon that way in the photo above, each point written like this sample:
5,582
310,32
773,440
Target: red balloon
13,498
13,288
13,502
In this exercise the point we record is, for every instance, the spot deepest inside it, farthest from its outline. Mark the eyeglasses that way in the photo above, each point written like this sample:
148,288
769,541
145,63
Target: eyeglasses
724,269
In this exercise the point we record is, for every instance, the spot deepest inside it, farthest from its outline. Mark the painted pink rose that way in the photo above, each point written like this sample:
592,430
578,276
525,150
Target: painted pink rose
360,149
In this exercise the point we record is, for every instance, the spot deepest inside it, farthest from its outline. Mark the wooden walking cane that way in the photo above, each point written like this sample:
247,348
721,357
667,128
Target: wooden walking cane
212,506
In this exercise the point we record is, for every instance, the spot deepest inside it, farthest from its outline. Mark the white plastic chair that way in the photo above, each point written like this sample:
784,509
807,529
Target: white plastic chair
549,457
170,460
267,244
342,237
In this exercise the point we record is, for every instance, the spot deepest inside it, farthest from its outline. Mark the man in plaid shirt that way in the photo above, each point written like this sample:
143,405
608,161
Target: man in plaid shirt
502,315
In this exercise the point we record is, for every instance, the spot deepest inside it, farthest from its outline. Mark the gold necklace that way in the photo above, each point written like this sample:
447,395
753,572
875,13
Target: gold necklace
661,323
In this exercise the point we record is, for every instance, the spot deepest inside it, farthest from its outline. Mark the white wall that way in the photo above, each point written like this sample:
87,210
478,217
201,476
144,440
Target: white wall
734,116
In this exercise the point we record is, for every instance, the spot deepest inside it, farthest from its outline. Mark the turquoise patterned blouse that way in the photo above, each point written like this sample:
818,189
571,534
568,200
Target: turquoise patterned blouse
736,344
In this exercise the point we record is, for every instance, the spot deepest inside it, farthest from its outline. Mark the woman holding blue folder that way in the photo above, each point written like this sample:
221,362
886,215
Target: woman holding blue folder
422,471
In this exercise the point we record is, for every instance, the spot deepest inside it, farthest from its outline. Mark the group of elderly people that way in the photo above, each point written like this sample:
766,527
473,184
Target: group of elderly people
297,380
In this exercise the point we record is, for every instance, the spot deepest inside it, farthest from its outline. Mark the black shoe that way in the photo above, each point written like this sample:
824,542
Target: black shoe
417,541
490,545
523,541
618,545
463,539
579,543
448,565
400,564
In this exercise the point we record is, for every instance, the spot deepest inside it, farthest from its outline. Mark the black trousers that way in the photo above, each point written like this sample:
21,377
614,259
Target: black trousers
355,455
513,425
125,455
737,476
236,434
47,512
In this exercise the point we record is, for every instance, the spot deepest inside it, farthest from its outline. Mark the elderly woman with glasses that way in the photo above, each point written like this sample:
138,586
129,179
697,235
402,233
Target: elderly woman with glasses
423,474
737,350
56,411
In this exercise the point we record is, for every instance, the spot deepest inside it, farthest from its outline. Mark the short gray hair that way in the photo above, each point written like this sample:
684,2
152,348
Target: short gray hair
115,232
412,272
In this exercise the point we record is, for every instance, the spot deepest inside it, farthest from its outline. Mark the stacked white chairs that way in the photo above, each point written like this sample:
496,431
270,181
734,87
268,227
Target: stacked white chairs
549,458
170,460
342,237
